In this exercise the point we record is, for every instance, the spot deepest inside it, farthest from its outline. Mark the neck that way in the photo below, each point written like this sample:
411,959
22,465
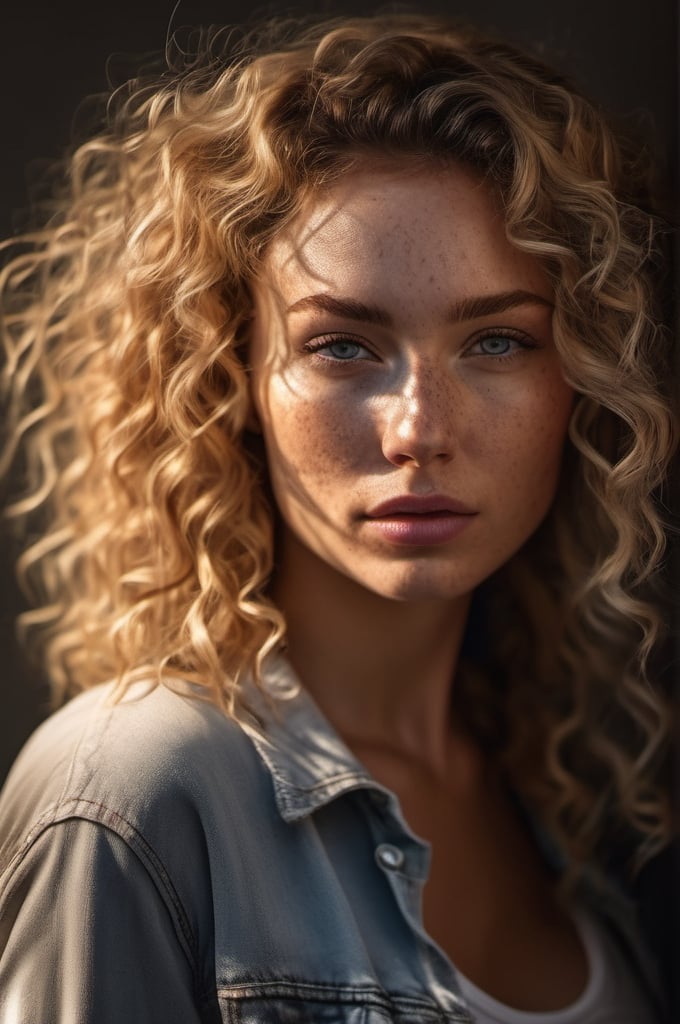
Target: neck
381,670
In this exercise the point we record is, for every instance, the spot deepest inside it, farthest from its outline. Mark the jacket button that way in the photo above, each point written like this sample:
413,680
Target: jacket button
389,857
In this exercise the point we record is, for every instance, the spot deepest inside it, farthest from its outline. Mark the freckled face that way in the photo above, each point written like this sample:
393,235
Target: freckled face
405,378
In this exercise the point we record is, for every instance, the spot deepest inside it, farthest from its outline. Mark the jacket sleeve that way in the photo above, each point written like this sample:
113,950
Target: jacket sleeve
86,937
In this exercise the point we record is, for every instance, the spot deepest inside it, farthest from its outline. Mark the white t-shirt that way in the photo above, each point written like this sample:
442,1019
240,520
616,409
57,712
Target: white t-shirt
612,994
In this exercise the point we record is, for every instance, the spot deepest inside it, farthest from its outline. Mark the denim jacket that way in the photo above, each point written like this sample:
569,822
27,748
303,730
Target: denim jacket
162,864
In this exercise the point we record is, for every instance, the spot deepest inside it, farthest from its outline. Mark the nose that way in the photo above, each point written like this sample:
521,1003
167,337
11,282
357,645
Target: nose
418,426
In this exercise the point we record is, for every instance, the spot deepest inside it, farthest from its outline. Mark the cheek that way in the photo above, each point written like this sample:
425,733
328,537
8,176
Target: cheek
523,437
541,434
319,440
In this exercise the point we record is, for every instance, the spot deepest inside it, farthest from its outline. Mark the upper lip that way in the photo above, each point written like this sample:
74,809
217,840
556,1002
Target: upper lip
413,504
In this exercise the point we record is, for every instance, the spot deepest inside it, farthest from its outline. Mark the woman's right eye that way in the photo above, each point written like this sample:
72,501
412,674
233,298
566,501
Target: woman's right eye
339,349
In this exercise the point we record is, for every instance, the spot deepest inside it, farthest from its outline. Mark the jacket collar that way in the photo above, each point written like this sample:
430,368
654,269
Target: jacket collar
308,762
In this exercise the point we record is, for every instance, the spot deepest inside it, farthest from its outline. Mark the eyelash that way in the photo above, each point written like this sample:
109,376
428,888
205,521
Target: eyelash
524,342
316,346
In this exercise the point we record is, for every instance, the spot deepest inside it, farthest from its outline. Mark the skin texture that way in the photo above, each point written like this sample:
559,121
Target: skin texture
422,392
421,405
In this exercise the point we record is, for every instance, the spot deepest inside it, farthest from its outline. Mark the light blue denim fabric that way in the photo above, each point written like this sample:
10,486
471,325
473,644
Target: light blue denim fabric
161,864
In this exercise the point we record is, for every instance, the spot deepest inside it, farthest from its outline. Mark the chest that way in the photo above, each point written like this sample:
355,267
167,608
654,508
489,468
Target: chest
321,920
490,902
317,915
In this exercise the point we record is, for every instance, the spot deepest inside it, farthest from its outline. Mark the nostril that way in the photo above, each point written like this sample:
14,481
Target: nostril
420,455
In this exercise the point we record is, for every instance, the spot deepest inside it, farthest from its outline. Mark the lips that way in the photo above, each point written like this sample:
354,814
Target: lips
414,521
415,505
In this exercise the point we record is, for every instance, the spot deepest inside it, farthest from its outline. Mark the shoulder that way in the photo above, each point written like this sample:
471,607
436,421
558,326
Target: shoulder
151,765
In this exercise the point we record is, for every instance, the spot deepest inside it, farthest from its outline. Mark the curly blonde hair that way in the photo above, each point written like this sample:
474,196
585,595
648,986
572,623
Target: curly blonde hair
125,321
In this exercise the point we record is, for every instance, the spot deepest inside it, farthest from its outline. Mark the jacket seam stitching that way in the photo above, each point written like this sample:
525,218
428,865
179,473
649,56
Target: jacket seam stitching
63,812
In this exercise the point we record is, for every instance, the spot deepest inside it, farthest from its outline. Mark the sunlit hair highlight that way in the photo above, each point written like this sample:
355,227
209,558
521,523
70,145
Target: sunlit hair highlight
125,328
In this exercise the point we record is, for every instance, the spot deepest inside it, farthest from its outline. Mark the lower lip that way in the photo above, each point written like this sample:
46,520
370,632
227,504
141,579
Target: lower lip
430,528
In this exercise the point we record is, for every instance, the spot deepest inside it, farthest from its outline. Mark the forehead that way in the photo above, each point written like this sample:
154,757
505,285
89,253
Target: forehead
399,229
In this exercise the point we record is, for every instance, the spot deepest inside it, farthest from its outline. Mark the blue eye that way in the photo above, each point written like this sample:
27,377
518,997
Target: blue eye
496,345
337,349
342,349
501,344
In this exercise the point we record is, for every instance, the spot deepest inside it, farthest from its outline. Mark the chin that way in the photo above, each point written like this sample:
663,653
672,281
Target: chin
416,584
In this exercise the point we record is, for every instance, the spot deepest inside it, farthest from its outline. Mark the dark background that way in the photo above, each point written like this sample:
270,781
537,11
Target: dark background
623,53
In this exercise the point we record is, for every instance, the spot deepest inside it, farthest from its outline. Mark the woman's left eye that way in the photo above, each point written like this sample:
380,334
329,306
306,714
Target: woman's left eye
500,344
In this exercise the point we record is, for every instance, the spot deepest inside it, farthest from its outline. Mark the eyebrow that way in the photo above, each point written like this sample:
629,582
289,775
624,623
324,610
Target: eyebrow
348,308
467,309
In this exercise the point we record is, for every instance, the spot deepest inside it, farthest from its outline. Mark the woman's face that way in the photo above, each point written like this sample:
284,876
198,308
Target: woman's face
406,382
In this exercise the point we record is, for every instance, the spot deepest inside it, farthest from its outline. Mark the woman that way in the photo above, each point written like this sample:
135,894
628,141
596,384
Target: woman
350,423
